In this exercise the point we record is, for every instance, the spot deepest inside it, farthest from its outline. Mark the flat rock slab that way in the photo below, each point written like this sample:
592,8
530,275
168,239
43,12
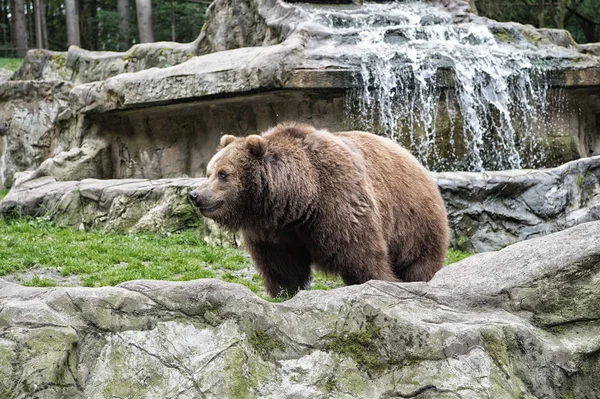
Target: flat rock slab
120,205
523,322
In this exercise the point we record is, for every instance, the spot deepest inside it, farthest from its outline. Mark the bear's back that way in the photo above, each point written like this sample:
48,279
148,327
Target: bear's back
412,209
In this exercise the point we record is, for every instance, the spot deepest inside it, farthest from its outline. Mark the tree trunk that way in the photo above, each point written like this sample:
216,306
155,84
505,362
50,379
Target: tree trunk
541,15
72,23
4,21
39,36
92,25
43,23
124,35
20,27
144,20
172,21
30,17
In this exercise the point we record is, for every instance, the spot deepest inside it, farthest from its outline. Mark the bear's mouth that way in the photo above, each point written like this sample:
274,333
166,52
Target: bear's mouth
210,207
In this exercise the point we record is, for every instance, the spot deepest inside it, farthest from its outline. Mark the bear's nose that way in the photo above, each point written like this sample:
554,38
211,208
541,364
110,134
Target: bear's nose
193,195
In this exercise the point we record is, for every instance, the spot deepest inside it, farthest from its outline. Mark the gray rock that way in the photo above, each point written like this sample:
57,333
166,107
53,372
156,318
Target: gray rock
35,124
488,211
81,66
89,161
519,323
5,75
246,46
126,205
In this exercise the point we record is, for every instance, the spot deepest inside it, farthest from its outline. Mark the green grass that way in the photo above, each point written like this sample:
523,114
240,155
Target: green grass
44,254
11,63
455,255
108,259
3,192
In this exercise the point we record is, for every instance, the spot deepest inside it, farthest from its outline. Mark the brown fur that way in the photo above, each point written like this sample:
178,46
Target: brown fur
349,203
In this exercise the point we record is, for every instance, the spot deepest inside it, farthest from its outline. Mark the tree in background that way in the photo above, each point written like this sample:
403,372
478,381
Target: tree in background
124,35
144,20
72,14
19,27
99,24
580,17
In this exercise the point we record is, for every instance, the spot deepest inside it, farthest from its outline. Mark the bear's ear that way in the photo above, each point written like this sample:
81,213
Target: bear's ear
257,145
225,141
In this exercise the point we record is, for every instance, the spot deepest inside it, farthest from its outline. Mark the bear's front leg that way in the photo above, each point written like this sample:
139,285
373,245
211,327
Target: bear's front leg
285,268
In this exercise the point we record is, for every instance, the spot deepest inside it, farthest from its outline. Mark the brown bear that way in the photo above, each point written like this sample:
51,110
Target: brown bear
349,203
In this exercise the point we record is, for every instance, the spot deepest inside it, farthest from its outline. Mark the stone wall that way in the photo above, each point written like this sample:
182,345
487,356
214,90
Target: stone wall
179,140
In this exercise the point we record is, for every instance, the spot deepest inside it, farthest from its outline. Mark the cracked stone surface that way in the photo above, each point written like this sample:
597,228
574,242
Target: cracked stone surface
487,211
523,322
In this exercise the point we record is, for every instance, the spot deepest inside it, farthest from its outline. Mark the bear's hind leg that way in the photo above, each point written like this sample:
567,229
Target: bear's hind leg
365,264
423,269
285,269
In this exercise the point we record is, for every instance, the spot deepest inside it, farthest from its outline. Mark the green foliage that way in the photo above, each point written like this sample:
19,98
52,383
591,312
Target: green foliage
456,255
580,17
38,281
11,64
323,281
188,17
3,192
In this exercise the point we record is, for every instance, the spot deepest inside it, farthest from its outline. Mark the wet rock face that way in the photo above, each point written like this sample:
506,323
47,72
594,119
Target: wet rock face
522,322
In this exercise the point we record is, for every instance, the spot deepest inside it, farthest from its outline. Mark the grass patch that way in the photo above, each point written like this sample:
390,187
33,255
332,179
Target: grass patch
3,192
53,255
100,258
38,281
11,63
324,281
455,255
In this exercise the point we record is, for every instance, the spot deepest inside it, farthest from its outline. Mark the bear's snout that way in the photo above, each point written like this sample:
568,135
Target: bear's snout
206,202
193,196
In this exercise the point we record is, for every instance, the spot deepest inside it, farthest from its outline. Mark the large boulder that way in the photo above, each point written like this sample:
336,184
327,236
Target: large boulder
488,211
519,323
36,123
126,205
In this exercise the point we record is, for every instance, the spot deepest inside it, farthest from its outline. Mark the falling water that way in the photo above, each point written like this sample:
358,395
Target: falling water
457,96
3,161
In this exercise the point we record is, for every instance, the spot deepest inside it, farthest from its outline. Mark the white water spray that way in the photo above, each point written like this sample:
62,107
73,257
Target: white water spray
419,72
3,161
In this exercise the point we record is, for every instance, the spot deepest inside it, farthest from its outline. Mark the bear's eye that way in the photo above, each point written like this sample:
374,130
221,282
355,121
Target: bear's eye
222,176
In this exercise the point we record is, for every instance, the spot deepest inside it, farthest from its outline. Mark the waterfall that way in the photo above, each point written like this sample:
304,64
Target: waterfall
3,161
455,94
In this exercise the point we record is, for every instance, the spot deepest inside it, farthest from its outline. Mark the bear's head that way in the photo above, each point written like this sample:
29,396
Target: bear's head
234,175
